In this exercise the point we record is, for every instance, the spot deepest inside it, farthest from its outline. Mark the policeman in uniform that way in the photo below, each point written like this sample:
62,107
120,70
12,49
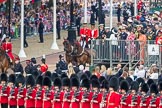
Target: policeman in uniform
30,92
58,94
124,87
47,93
76,94
39,93
85,34
20,81
13,91
97,96
113,98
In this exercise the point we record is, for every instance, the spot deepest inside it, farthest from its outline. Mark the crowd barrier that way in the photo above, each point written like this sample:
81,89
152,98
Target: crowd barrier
126,52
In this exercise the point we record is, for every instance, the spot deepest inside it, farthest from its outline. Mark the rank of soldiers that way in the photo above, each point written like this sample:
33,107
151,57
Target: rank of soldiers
53,91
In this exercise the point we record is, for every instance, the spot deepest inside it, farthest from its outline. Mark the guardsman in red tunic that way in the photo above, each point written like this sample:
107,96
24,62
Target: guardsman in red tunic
39,93
104,91
30,92
20,81
7,46
58,94
13,91
113,98
124,87
160,92
76,94
85,34
155,100
86,95
93,34
47,93
44,66
145,98
97,96
67,93
134,98
4,91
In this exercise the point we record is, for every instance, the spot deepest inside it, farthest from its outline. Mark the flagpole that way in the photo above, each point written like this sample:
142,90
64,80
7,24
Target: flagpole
54,44
22,52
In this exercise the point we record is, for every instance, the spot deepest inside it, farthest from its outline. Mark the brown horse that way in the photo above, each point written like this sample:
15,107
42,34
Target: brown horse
68,48
5,62
82,55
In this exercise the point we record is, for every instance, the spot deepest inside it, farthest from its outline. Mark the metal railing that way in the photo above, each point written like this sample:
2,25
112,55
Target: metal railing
126,52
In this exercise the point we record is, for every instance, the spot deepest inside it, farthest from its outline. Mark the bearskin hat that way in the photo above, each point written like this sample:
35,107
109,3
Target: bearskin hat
149,82
140,81
74,76
120,79
64,75
12,78
124,85
85,83
47,81
20,79
114,83
160,86
74,82
57,82
105,84
83,76
145,88
30,80
101,79
153,88
33,60
39,80
48,74
4,77
129,80
135,86
66,82
95,83
93,77
54,76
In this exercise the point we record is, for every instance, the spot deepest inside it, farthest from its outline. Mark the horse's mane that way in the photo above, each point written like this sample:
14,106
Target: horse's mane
2,51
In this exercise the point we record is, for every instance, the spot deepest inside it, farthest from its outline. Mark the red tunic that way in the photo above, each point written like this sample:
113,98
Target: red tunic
124,101
86,103
47,102
154,102
13,100
133,102
58,103
4,91
104,99
145,101
77,100
21,96
44,68
30,102
98,100
39,98
113,100
7,46
85,34
94,34
160,103
66,104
